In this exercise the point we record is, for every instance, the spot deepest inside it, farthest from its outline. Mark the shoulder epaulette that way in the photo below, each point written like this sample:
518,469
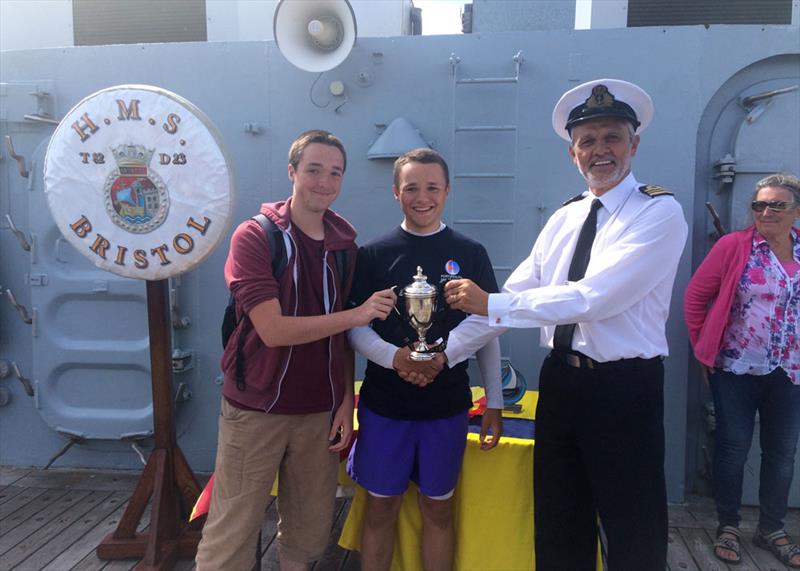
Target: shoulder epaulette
653,190
575,198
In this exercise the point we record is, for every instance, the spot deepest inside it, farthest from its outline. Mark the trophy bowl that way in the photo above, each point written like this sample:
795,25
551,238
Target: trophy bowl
419,302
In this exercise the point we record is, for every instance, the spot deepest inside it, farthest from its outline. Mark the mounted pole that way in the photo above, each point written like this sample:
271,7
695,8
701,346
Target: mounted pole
167,477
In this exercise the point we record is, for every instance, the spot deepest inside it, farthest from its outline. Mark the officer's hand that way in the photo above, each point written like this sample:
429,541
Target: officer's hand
492,421
466,296
378,306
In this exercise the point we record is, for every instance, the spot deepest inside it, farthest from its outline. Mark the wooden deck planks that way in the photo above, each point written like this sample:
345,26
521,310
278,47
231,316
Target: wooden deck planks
42,536
100,480
54,520
70,536
22,515
18,502
10,474
698,541
84,547
9,492
13,545
678,556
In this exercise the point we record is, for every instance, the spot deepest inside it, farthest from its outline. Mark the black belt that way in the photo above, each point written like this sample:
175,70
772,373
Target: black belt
581,361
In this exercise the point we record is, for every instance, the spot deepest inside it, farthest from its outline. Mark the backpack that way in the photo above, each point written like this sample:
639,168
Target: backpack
277,248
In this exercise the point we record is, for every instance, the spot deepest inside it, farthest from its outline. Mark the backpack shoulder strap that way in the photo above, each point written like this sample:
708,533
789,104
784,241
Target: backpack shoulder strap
275,244
277,250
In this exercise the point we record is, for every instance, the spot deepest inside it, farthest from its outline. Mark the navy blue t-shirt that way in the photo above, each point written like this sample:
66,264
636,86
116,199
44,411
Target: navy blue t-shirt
392,260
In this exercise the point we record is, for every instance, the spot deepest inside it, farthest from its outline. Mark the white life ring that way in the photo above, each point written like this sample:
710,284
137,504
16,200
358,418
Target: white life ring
138,181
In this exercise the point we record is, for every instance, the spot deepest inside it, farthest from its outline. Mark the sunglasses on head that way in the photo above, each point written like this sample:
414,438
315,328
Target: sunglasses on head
776,205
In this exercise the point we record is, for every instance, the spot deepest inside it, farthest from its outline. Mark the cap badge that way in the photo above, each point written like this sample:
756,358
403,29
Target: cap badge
600,98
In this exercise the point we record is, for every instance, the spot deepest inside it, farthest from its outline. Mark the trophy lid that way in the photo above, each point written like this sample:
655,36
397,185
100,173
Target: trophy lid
419,287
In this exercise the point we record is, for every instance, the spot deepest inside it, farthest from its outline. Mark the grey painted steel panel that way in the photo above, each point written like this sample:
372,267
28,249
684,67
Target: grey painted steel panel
515,15
260,102
90,346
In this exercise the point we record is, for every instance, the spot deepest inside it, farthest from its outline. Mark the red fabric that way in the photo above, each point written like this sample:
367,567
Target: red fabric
478,407
203,502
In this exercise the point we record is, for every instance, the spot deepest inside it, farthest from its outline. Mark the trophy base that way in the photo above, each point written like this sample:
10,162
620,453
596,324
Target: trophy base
417,356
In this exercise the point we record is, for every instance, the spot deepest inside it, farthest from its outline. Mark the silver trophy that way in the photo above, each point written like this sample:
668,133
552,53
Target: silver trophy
420,306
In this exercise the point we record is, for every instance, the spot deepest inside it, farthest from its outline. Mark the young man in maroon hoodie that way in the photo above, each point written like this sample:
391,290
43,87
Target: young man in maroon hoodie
291,411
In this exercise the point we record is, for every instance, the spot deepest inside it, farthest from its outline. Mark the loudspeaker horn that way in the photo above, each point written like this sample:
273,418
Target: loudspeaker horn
314,35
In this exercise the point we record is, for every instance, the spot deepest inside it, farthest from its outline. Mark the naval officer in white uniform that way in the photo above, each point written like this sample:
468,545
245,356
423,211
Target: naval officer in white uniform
598,283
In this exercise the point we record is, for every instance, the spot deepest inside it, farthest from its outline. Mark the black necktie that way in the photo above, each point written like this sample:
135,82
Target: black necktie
577,269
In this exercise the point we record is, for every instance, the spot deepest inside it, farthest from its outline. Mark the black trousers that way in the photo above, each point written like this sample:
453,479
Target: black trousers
600,453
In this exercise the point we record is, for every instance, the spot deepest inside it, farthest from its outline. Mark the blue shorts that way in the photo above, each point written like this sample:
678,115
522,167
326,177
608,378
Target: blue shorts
390,452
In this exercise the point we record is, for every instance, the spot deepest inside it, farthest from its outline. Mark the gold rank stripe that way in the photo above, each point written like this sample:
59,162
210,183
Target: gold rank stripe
653,190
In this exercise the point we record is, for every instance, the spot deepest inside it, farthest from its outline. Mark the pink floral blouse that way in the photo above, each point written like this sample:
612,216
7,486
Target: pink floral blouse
763,332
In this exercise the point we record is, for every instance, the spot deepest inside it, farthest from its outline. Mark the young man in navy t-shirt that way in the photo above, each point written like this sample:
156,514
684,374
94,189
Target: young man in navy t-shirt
416,429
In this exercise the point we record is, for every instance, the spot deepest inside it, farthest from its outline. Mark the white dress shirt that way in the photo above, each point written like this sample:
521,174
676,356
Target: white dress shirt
622,303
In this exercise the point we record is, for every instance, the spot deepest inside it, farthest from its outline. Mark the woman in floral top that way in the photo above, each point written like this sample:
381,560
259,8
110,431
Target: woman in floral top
742,308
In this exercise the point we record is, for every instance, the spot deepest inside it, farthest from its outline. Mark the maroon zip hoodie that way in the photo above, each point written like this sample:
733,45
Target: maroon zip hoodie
248,273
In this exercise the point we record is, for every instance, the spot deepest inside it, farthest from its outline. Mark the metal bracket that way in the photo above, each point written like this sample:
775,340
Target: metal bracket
73,440
725,169
181,360
182,394
178,321
454,61
139,453
42,105
20,236
134,438
23,171
37,279
718,227
518,61
41,119
750,100
21,309
26,383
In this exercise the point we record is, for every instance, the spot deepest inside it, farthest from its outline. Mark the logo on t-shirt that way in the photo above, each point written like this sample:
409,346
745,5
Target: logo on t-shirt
452,267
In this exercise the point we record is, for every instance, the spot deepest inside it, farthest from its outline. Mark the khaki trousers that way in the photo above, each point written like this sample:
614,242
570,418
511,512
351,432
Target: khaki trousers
254,447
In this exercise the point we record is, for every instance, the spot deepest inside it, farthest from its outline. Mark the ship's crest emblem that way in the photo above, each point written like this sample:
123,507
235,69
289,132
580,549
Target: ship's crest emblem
136,199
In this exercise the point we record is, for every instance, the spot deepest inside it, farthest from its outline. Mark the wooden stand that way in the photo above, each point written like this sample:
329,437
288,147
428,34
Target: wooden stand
166,477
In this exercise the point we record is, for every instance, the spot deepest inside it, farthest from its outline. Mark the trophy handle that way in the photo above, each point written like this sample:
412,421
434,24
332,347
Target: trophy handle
398,291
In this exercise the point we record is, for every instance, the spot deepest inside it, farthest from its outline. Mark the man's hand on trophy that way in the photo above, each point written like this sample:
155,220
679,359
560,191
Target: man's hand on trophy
466,296
379,305
420,373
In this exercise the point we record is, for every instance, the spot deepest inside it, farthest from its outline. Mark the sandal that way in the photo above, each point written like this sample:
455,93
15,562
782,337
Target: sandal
728,543
784,552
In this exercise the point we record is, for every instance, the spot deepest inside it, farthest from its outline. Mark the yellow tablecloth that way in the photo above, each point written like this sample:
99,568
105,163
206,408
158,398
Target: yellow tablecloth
493,509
